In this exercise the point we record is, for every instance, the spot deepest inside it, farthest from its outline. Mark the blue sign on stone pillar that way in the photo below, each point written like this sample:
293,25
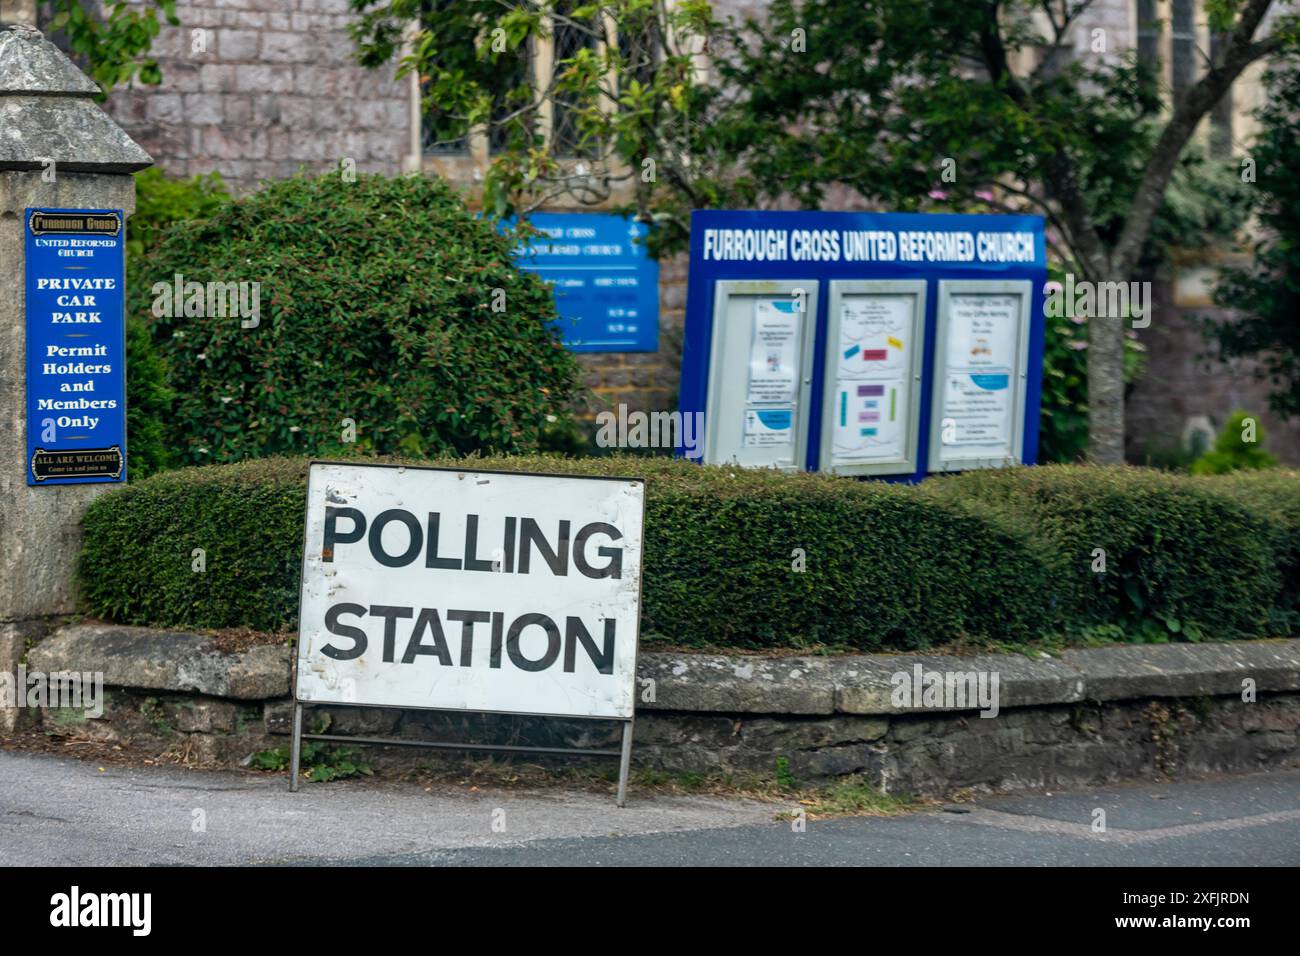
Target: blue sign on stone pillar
606,285
76,346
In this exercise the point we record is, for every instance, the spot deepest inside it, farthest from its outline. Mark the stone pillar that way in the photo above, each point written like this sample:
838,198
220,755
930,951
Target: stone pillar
18,11
47,112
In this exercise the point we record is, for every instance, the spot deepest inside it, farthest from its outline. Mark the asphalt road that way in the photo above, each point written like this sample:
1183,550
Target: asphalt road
58,810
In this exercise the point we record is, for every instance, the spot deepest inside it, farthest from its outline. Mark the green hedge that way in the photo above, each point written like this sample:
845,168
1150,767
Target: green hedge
1275,495
1180,554
883,568
992,557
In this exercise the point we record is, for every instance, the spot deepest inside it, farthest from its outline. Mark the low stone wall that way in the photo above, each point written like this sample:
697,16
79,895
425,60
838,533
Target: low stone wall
1084,716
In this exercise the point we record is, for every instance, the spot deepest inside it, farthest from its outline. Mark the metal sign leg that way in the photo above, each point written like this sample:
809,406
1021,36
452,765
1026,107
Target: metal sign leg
295,753
625,762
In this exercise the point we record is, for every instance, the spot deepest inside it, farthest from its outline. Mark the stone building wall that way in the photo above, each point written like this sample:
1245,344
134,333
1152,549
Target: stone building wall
276,88
1183,390
645,381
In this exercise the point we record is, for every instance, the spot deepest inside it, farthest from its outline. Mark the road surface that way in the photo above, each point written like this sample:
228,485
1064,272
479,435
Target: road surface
57,810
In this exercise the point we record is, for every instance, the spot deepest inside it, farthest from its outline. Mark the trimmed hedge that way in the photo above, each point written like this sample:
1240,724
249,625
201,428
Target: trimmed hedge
1181,555
1000,557
1274,495
883,567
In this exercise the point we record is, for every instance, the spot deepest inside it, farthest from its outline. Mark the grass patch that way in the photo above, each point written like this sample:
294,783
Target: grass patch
850,796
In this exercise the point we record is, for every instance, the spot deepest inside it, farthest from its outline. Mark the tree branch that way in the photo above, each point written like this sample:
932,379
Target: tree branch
1240,52
1061,181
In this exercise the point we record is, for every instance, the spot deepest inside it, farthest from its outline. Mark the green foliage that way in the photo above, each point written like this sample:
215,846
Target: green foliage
376,306
1238,447
243,524
148,404
719,556
1178,554
1001,557
784,778
321,762
616,105
854,795
112,41
1063,408
1266,294
803,93
1273,495
160,202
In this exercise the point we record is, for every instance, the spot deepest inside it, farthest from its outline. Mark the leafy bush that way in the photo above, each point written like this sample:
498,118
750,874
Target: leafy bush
1232,452
1261,299
1180,556
320,762
148,403
1274,495
161,202
883,566
378,306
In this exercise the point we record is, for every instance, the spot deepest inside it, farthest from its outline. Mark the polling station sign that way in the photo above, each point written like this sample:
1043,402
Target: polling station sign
470,590
76,346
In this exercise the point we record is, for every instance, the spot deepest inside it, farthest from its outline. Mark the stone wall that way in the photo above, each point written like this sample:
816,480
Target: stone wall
1183,390
1082,717
276,88
643,381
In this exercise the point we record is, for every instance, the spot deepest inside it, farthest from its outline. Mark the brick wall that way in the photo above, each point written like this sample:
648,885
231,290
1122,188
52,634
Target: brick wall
644,381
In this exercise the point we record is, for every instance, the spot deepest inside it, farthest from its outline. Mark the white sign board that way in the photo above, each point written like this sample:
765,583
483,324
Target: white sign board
470,590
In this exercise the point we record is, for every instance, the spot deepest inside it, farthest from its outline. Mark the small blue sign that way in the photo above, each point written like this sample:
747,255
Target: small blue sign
76,346
606,285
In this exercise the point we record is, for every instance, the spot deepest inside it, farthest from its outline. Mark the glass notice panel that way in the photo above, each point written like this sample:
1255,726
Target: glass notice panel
872,377
760,374
982,348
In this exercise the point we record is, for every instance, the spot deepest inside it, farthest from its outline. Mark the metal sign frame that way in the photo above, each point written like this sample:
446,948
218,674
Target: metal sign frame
806,293
842,289
624,753
939,461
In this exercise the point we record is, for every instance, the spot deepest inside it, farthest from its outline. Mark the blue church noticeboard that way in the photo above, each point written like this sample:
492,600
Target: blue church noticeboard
76,346
606,286
884,344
